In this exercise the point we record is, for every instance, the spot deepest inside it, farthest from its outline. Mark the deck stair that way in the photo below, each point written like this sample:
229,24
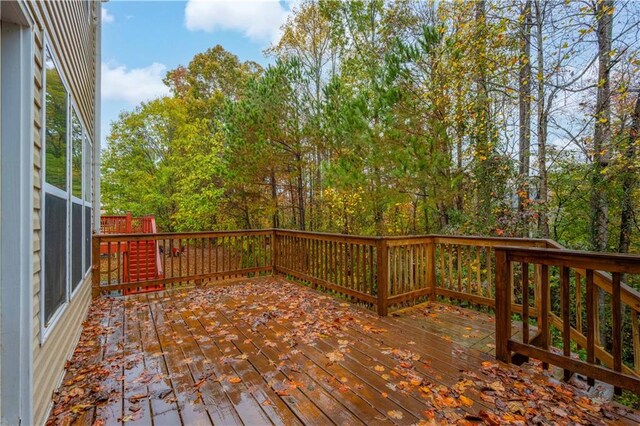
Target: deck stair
140,259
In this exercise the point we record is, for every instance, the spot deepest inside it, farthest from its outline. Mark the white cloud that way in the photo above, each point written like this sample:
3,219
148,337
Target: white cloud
134,85
255,19
107,18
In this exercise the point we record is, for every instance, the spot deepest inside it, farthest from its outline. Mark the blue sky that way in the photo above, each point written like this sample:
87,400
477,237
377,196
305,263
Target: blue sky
142,40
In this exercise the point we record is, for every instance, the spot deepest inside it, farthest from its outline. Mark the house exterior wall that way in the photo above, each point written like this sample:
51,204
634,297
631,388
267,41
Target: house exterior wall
71,29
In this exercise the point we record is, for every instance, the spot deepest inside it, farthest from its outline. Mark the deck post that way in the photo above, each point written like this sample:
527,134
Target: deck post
95,266
128,225
382,276
431,268
274,253
503,305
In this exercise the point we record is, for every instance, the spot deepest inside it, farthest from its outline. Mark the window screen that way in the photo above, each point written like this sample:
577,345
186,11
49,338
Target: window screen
87,238
56,127
55,254
76,245
88,156
76,156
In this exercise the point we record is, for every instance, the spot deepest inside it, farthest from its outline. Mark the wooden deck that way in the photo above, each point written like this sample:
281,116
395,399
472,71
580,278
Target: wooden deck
267,351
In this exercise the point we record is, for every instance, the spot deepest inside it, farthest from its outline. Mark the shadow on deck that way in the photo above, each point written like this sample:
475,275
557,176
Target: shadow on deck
267,351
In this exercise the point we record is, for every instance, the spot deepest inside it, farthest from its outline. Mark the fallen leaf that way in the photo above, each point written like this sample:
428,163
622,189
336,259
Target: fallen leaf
466,401
395,414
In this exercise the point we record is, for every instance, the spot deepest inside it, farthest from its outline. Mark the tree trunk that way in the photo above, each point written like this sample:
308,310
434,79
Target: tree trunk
524,95
543,193
482,125
300,189
601,141
602,130
629,181
274,199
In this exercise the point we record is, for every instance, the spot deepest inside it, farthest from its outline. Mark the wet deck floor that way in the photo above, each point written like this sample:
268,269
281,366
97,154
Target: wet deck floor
267,351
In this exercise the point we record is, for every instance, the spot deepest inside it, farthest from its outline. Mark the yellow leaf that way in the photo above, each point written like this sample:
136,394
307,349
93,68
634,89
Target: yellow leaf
466,401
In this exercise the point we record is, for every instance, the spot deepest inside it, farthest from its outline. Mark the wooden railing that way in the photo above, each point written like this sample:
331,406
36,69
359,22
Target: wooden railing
382,273
465,268
184,258
127,224
572,276
343,264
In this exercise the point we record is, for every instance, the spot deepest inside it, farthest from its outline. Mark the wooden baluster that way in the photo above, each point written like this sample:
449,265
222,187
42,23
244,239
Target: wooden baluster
398,270
383,277
450,256
180,256
503,306
412,271
368,282
545,305
347,260
525,303
537,290
357,268
468,273
120,277
635,335
479,272
579,322
431,279
138,261
459,267
265,259
209,255
237,254
187,247
314,258
489,279
616,316
170,253
402,280
565,297
108,263
163,258
443,271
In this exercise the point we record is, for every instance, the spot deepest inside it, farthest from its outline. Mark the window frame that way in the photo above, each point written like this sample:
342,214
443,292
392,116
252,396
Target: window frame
46,327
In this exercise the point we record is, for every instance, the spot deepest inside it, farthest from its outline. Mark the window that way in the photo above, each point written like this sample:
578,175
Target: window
67,195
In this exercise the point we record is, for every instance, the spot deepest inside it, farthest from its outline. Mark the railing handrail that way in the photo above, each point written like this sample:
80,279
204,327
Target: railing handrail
612,262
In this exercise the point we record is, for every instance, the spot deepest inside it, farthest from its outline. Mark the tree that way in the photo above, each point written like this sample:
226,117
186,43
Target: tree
602,128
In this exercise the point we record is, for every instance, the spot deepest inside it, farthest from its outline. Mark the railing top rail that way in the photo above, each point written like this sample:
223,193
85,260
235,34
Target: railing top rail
173,235
490,241
610,262
601,263
341,237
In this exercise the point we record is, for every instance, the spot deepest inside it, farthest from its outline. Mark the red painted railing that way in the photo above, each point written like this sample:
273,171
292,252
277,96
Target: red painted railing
141,261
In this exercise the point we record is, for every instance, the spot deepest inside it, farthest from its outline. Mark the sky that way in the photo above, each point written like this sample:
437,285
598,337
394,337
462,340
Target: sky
142,40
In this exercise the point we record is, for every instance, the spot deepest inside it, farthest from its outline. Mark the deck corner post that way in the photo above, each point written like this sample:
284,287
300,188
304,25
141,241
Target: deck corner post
95,267
431,269
503,305
382,277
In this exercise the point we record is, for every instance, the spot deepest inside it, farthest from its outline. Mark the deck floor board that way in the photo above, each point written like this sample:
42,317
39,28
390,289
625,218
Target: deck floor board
268,351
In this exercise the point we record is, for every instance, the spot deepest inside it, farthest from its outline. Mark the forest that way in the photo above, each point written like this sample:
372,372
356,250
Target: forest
506,117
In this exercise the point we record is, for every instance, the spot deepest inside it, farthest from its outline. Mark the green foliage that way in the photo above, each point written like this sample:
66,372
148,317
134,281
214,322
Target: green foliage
374,118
